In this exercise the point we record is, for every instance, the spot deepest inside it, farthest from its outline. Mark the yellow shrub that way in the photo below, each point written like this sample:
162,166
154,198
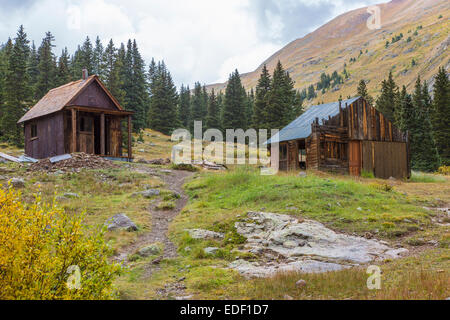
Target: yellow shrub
46,254
444,170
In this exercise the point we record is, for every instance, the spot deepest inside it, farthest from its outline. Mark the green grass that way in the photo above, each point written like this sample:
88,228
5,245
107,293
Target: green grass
426,177
423,277
219,200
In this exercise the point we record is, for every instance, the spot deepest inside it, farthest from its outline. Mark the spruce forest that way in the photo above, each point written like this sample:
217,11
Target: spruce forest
28,72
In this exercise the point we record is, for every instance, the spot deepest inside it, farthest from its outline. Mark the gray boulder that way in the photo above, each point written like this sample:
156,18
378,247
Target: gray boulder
17,183
121,222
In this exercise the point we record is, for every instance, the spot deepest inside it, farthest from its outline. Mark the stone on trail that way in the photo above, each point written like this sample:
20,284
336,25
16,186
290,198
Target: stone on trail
121,222
150,250
204,234
148,193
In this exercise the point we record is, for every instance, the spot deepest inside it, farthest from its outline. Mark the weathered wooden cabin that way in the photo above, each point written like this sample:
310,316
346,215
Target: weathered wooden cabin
346,137
81,116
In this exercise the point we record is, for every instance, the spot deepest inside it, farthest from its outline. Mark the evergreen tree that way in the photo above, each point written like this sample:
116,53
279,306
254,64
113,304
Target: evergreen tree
163,102
46,67
17,90
97,59
63,72
440,115
280,99
362,92
197,107
298,109
184,109
387,100
112,65
33,69
5,52
250,106
262,90
213,118
87,57
77,64
234,104
311,93
424,155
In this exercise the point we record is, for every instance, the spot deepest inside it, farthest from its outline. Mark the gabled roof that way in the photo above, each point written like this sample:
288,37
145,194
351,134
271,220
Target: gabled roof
300,128
56,99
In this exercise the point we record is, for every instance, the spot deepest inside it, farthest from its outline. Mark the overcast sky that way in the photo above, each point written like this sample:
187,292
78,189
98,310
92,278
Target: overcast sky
200,40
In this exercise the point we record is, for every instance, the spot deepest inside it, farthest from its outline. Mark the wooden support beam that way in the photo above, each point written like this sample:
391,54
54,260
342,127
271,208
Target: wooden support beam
74,130
130,155
102,134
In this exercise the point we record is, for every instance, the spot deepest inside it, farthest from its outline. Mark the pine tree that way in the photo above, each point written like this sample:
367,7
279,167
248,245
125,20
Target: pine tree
424,154
138,97
5,53
46,67
298,109
163,103
234,104
87,57
213,118
97,58
17,89
196,105
33,69
387,100
77,64
184,109
440,115
280,99
362,92
63,72
250,106
262,90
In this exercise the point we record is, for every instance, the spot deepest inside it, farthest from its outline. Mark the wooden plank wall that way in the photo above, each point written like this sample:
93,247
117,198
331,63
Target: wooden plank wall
50,140
385,159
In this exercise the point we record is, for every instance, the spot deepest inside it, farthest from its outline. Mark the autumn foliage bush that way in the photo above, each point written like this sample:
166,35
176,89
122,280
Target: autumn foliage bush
47,254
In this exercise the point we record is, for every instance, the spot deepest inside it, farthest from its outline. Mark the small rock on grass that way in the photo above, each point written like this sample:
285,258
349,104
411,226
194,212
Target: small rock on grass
300,284
17,182
71,195
150,250
211,250
287,297
121,222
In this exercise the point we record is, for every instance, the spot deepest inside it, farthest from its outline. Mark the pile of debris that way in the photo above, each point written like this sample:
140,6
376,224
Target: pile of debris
72,163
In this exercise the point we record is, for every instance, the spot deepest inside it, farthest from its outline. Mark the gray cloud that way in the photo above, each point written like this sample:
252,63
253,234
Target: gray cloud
200,40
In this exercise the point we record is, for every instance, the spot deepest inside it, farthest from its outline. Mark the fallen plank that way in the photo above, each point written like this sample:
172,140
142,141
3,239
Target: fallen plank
60,158
9,158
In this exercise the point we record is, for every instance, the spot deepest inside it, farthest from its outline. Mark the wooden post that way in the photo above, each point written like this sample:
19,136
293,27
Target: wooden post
102,135
129,138
74,130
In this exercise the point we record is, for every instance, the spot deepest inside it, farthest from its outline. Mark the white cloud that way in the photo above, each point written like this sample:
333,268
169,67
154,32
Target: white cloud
200,40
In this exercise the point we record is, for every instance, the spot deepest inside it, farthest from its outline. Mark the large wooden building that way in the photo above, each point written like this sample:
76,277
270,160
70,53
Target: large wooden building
81,116
347,137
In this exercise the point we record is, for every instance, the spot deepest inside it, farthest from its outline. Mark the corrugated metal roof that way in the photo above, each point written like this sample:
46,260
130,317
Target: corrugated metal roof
300,128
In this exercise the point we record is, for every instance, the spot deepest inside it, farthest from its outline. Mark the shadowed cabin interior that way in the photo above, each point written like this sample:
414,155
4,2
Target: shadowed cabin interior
81,116
347,137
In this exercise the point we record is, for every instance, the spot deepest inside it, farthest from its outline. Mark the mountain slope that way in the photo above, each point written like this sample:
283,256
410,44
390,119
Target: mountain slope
330,48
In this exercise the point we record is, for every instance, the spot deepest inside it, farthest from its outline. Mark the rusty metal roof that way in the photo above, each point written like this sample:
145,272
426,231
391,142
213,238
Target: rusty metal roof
300,128
56,99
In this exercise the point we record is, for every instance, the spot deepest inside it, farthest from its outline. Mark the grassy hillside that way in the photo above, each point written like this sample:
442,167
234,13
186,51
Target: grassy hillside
425,27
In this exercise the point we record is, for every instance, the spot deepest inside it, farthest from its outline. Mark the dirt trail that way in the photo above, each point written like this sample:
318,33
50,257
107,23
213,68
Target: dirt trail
161,219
